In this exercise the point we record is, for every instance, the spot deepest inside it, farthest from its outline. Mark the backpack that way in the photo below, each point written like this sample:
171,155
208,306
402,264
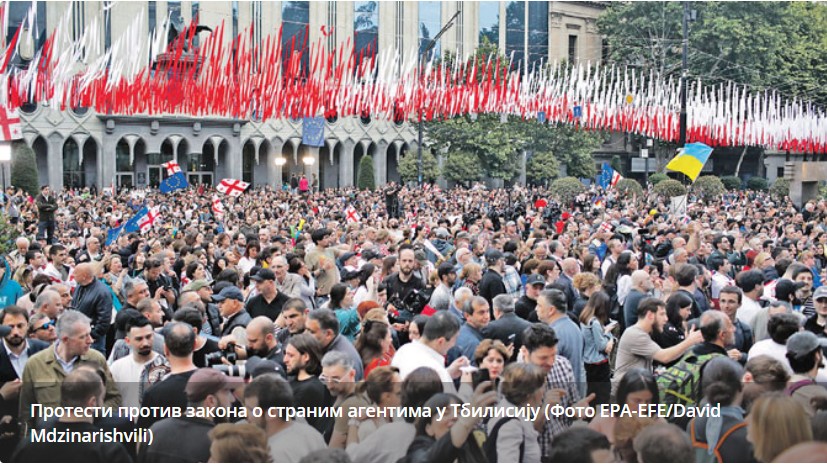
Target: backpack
681,383
490,446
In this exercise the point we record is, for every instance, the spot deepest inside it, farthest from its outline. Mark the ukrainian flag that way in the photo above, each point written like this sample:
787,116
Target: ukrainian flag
690,160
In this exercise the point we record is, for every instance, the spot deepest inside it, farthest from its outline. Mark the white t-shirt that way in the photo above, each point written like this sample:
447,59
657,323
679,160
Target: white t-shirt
295,442
415,355
127,375
774,350
748,310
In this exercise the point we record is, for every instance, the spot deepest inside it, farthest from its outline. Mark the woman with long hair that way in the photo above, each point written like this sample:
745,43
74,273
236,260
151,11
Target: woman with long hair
368,283
136,264
619,275
383,387
598,345
678,310
375,345
341,303
586,284
776,422
637,387
471,275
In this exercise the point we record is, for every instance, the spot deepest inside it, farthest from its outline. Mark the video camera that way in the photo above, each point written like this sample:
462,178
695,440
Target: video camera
408,307
214,359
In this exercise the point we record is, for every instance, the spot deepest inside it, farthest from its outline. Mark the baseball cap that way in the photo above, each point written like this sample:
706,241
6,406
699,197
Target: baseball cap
803,343
786,287
420,256
208,381
348,275
231,292
368,255
256,366
535,279
263,274
347,256
821,292
196,285
492,255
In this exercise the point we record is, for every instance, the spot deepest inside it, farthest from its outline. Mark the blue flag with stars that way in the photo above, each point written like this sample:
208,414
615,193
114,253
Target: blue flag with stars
174,182
113,234
604,180
132,224
313,132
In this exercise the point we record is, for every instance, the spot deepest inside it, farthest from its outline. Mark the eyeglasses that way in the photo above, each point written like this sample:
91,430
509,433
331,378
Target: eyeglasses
324,379
46,326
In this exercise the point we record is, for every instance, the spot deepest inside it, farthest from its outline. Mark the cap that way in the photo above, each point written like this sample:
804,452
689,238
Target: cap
208,381
420,255
493,255
232,292
821,292
535,279
786,287
4,330
444,269
221,285
348,275
196,285
370,254
803,343
347,256
263,274
256,366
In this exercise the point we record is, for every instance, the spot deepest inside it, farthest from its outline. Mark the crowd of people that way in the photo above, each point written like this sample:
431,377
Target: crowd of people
417,299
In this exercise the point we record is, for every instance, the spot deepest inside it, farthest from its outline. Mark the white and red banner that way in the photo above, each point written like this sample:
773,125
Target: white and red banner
351,215
217,207
146,222
232,187
172,167
10,128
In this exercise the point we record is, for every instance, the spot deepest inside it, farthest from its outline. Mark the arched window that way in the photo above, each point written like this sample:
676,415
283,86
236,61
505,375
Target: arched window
73,175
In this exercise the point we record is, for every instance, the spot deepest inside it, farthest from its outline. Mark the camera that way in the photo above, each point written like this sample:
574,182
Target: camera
214,359
408,307
230,371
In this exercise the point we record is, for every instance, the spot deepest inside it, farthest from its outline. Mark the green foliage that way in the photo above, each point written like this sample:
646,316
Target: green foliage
462,167
755,43
657,178
366,178
629,187
24,168
567,188
542,167
617,164
758,183
570,145
780,188
670,188
408,167
731,182
708,187
8,234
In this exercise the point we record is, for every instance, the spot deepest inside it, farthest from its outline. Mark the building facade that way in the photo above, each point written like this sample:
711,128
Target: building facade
78,147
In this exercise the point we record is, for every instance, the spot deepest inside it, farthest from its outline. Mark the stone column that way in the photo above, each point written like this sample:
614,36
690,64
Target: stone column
347,176
380,163
56,162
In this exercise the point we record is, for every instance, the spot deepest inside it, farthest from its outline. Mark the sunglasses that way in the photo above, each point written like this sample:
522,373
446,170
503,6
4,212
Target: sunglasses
46,326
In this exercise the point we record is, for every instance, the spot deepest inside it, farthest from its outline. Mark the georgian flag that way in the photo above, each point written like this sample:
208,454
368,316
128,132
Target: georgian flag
232,187
172,167
145,223
10,128
616,177
217,207
351,215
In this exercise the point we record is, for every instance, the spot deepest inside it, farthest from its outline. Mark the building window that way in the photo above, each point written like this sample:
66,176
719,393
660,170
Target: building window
365,32
515,33
107,24
295,17
195,9
779,171
122,163
235,18
152,16
248,162
73,175
460,30
604,50
174,11
572,49
17,15
256,14
537,33
400,30
489,23
430,22
78,19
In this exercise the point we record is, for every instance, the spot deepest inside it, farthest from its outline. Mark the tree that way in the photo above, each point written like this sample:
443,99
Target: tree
758,183
8,234
657,178
566,189
366,178
780,188
617,164
764,45
670,188
462,167
542,167
629,187
731,182
709,187
24,168
408,167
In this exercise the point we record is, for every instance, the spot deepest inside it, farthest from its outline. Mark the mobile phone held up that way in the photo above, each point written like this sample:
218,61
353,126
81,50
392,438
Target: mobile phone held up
480,376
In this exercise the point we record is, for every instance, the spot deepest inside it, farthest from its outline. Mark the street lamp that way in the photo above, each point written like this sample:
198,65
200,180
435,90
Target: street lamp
308,160
424,52
644,153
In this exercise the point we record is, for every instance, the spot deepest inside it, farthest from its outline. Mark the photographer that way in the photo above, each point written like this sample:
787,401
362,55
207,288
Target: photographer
401,284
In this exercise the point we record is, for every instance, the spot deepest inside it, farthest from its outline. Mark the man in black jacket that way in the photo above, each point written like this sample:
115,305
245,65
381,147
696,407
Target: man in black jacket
508,326
93,299
492,284
46,207
14,353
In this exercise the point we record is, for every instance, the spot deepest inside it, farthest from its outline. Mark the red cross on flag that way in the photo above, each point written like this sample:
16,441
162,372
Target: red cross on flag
148,221
352,215
217,207
10,124
616,177
232,187
172,167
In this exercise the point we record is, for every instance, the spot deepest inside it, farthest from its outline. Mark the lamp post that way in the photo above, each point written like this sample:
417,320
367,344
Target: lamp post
644,153
424,52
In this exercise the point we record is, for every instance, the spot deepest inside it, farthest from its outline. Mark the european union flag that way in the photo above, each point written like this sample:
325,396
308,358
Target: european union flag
113,234
313,132
132,224
174,182
604,180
